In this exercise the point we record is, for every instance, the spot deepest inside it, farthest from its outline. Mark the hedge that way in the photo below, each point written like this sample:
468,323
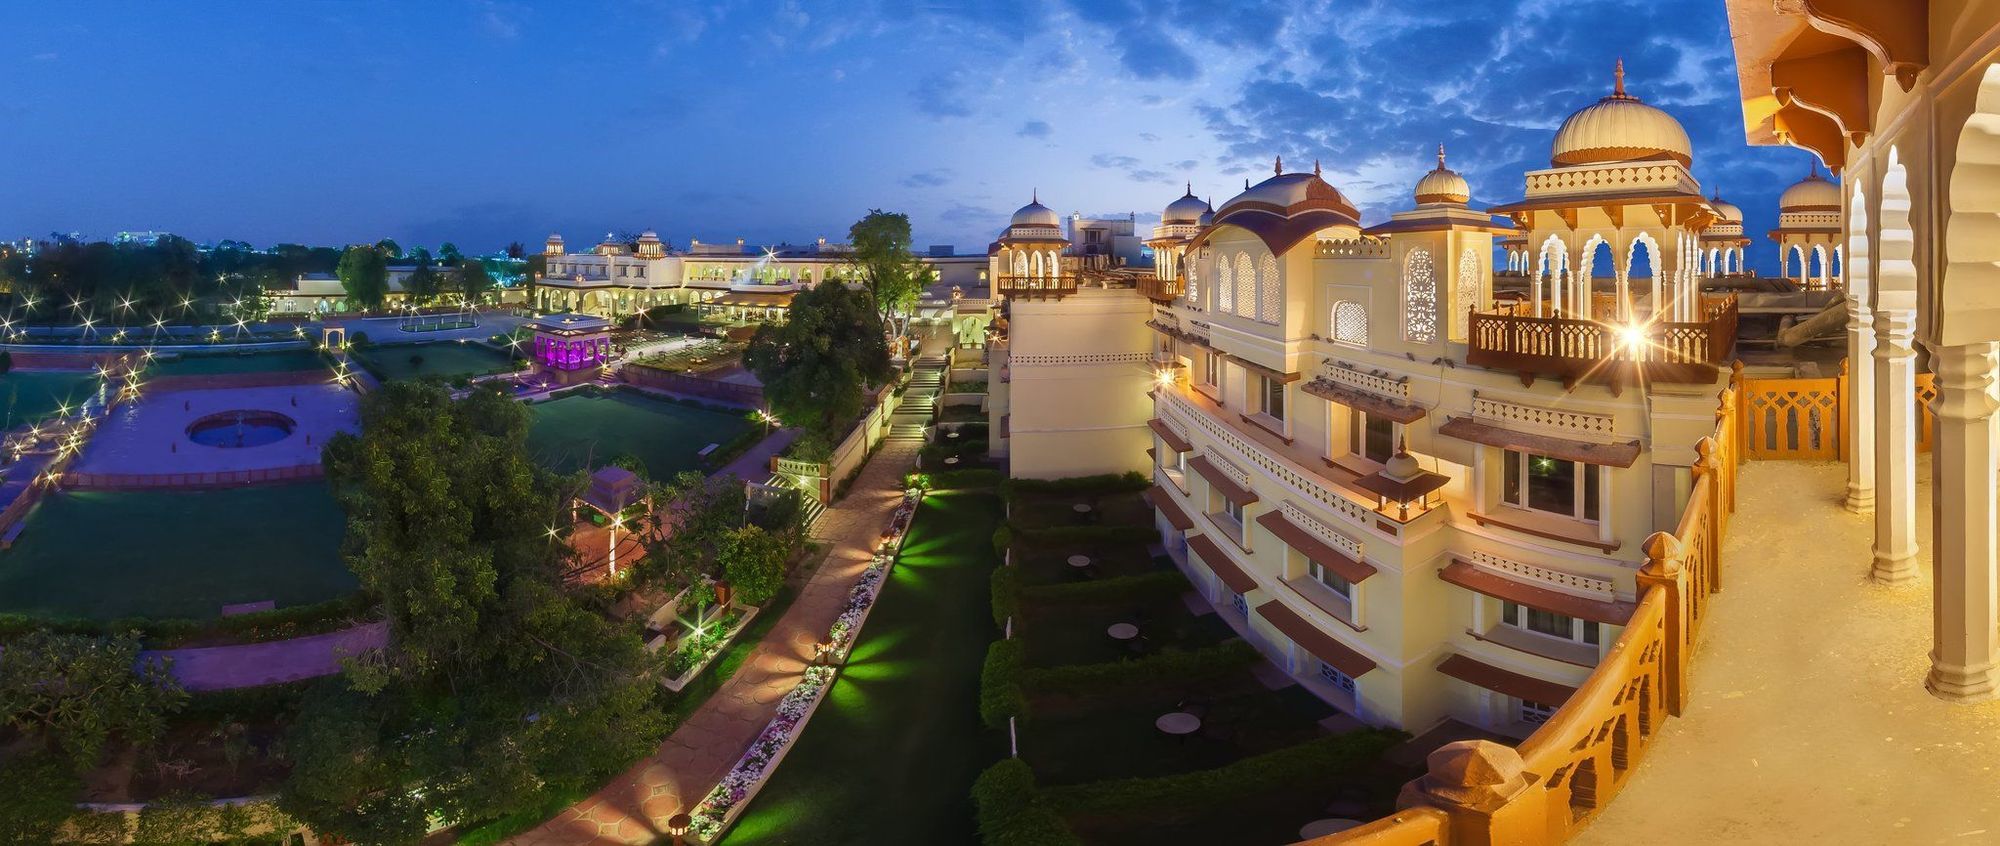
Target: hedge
1003,538
1011,811
1158,584
1172,665
1000,693
1127,482
164,633
1005,593
1072,535
954,480
1207,791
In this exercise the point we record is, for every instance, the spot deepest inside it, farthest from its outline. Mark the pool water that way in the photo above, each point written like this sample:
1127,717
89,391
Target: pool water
274,361
31,396
238,429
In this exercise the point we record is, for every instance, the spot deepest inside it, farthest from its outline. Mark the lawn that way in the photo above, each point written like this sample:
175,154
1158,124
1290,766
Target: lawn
1239,718
446,360
29,396
112,554
890,755
590,430
279,361
1062,633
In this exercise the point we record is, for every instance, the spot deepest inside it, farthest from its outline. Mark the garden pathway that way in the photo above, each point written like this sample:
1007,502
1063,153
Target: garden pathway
635,806
271,662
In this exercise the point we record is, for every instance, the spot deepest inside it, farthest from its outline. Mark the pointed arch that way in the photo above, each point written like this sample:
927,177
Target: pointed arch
1225,286
1642,246
1268,288
1246,286
1550,262
1420,304
1964,304
1350,323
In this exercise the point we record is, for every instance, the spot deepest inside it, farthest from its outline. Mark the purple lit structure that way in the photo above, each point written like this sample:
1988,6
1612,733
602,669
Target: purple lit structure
572,346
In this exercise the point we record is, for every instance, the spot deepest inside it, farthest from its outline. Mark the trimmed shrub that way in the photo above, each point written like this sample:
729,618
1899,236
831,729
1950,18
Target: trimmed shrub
280,624
1011,811
1107,483
1159,584
1210,791
1003,538
1000,694
956,480
1172,666
1005,593
1073,535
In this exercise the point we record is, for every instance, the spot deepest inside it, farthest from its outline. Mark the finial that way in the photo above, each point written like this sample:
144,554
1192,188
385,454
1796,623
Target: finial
1618,77
1315,167
1246,183
1440,155
1814,164
1034,196
1278,166
1190,188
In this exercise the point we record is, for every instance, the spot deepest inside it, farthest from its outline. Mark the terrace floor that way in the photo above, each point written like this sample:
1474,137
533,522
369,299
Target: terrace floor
1808,720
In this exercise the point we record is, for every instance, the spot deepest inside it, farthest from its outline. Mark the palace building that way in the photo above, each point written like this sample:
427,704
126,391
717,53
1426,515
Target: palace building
1422,500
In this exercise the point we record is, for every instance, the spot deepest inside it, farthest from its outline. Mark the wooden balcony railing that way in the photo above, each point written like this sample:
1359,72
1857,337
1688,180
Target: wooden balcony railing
1036,287
1553,783
1574,349
1161,290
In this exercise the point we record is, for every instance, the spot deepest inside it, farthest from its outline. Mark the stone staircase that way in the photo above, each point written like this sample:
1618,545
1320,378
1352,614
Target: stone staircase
920,400
813,507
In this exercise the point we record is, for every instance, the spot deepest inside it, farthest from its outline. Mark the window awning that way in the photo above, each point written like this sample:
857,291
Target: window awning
1261,370
1477,579
1222,482
1161,499
1588,452
1506,682
1167,434
1323,646
1376,406
1225,567
1318,551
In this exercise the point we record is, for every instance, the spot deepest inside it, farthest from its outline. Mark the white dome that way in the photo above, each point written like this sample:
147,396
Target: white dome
1726,210
1443,185
1187,209
1207,214
1036,214
1620,128
1812,193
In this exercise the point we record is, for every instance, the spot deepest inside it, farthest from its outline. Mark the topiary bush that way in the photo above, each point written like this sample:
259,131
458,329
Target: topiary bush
1011,811
1000,692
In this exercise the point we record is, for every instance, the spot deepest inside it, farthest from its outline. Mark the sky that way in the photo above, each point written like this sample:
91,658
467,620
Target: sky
485,121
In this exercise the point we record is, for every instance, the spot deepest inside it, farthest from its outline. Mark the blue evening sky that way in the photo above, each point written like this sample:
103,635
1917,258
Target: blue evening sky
484,121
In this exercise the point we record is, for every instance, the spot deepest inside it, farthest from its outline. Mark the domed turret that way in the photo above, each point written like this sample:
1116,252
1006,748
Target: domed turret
1187,209
553,246
1287,194
1813,193
1727,211
1207,214
1035,214
1443,185
1620,128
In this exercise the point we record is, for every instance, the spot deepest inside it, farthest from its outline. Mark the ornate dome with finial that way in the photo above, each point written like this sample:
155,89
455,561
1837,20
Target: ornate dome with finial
1288,193
1727,211
1036,214
1443,185
1620,128
1207,214
1813,193
1187,209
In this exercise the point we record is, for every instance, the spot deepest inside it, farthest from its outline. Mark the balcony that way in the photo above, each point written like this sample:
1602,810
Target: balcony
1161,290
1036,287
1584,350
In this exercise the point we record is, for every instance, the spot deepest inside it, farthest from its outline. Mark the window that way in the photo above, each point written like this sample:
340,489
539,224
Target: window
1350,323
1331,579
1536,712
1272,402
1233,511
1241,605
1225,287
1420,304
1192,291
1246,287
1267,289
1340,680
1211,370
1554,485
1468,288
1549,623
1371,437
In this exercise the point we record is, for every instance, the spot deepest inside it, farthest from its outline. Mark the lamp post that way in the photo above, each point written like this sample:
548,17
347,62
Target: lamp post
677,825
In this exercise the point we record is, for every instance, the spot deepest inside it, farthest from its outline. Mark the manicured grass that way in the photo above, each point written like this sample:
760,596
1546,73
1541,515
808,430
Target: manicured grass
1239,718
106,554
1059,509
890,756
446,360
280,361
588,431
1044,563
30,396
1075,634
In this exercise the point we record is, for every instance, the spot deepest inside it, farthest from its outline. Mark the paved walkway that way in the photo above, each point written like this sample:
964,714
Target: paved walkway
271,662
1808,721
635,806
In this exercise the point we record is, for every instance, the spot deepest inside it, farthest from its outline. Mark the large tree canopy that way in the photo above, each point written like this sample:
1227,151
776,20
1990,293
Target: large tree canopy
890,274
498,688
364,274
817,365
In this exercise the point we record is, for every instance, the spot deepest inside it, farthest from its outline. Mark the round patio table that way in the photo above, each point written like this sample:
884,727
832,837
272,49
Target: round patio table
1322,828
1122,631
1178,723
951,459
951,434
1081,508
1079,561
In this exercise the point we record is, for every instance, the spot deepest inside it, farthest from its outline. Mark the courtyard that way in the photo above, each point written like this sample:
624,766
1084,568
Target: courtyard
446,360
212,364
219,430
31,396
593,428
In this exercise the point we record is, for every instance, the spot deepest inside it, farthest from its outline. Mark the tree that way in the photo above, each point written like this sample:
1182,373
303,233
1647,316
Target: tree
389,248
424,283
890,273
364,274
472,280
753,561
73,693
817,365
701,511
499,689
448,254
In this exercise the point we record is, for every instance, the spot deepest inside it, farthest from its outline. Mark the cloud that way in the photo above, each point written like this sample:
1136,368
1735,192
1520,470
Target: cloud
1035,129
937,96
1110,160
499,20
928,178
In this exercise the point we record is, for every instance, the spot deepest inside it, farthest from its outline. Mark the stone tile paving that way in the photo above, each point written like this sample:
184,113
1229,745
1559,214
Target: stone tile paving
635,806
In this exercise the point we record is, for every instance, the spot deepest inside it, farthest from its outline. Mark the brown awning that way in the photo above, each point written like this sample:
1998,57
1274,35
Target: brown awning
1161,499
758,300
1402,490
1318,551
1505,681
1225,567
1221,481
1401,412
1261,370
1167,434
1588,452
1474,578
1309,638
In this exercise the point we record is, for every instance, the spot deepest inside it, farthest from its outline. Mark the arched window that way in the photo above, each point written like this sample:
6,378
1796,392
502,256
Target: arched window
1225,287
1350,323
1420,302
1267,288
1192,290
1246,286
1467,290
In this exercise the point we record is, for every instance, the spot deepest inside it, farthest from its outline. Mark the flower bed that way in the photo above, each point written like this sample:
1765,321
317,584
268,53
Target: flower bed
743,781
708,646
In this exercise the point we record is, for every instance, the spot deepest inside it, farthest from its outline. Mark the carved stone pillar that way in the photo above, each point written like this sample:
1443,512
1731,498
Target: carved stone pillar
1895,446
1965,620
1860,420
